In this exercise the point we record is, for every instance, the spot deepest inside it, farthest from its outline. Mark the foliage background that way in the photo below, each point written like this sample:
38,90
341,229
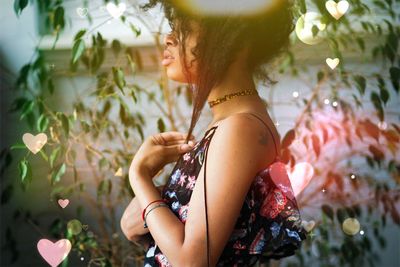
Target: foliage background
96,98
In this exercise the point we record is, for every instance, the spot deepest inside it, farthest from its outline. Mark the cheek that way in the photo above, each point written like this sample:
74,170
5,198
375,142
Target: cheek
175,71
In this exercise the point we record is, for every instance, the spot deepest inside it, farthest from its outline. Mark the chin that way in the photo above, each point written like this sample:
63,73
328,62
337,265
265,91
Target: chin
175,75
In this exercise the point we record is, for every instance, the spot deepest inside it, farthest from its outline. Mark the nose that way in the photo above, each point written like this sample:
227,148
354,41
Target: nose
170,39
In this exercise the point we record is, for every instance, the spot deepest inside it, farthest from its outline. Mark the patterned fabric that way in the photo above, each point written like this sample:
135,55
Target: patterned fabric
269,221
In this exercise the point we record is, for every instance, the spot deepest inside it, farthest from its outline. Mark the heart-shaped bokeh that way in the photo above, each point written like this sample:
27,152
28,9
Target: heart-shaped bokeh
54,253
279,176
82,11
332,62
34,142
63,203
301,176
337,10
116,11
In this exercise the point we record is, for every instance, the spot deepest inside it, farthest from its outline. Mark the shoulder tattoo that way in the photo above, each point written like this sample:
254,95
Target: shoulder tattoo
263,140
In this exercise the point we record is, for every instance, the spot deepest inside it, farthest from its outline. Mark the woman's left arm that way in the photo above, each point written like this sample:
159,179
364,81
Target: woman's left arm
166,229
228,182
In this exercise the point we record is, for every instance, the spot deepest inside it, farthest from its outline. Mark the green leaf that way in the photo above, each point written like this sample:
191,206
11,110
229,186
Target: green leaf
7,194
395,78
328,211
25,171
160,125
341,215
384,94
303,7
77,50
131,64
17,104
314,30
19,5
65,123
79,34
139,129
27,108
104,188
23,75
44,156
85,126
122,114
50,86
103,163
116,47
375,99
53,156
59,21
119,78
56,177
18,146
42,123
137,31
361,43
133,96
75,174
320,75
360,83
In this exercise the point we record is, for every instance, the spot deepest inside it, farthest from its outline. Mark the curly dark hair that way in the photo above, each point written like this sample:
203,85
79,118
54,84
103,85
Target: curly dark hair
221,38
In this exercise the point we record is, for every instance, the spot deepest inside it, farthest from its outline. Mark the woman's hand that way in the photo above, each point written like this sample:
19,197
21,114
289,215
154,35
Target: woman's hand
132,223
159,150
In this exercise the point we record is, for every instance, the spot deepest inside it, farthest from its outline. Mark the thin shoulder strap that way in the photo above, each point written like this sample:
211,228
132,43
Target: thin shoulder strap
205,192
273,139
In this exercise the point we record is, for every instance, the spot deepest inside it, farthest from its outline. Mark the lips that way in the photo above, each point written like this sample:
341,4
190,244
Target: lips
168,58
167,54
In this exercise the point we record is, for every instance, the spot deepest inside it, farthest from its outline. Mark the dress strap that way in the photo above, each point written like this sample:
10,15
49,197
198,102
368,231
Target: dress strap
212,128
205,192
273,139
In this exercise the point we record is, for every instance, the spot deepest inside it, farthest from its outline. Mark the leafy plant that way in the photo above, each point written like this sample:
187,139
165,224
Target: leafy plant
102,130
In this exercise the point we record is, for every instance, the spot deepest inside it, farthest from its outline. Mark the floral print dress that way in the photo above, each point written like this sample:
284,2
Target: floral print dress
269,223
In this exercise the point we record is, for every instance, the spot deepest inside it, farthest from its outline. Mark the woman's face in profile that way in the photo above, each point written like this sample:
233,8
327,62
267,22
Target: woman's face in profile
173,61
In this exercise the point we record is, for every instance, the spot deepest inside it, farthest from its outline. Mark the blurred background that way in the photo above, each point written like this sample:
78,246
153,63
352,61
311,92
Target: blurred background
90,78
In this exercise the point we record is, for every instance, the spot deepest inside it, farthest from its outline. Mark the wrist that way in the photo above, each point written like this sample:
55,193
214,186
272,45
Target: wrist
136,172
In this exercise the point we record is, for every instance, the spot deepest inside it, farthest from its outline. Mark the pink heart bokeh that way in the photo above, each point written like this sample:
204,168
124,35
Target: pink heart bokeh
54,253
301,176
295,180
279,176
63,203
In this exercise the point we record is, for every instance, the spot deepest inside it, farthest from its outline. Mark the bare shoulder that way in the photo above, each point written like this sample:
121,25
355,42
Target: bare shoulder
248,135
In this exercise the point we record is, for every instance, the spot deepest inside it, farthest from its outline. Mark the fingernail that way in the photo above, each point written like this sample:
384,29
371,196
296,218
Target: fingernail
185,146
191,143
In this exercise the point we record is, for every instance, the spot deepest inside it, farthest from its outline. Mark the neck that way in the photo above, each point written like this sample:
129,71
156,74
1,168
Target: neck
236,80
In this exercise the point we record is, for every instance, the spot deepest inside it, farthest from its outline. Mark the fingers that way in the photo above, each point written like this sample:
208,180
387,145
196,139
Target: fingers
170,138
184,147
174,152
180,142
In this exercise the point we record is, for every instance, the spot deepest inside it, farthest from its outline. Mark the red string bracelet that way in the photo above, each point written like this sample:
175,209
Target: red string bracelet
157,200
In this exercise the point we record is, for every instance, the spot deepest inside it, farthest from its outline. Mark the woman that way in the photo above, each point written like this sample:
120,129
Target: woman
248,213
